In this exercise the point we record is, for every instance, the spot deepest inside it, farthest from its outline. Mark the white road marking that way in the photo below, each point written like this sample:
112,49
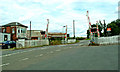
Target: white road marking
5,55
61,45
25,51
75,44
19,52
5,64
14,53
9,54
30,50
80,44
39,55
58,50
70,47
24,59
51,52
43,48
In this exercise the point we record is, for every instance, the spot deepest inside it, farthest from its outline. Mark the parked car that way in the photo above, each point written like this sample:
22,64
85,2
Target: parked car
8,44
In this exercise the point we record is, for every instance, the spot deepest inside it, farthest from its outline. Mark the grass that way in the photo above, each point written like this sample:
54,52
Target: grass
87,39
55,42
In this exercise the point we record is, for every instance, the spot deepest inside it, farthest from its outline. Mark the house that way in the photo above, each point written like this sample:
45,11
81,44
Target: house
16,29
56,35
35,34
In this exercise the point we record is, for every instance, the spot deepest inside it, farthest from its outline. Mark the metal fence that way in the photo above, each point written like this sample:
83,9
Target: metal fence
31,43
107,40
71,40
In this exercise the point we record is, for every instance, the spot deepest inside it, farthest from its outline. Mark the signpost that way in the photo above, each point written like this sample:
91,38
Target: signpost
108,30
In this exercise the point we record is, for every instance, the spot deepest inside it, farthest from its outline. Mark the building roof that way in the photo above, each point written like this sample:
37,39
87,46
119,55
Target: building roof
56,33
35,30
14,24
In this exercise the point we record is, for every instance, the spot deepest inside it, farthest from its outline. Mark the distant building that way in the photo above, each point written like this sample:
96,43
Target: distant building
56,35
35,34
16,29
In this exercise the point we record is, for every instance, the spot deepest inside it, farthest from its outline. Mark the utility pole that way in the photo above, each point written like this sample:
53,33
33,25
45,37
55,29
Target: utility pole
104,28
74,28
30,30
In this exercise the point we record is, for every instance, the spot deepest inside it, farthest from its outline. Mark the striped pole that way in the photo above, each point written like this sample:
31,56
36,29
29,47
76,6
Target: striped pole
46,33
97,29
66,34
89,24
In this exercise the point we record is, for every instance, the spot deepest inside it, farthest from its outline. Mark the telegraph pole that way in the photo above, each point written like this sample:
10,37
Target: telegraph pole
30,30
104,28
74,28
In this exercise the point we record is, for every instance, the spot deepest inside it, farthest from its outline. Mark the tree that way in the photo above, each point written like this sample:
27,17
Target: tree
115,27
105,28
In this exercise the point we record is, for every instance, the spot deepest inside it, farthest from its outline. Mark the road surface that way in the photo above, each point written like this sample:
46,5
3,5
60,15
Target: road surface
62,57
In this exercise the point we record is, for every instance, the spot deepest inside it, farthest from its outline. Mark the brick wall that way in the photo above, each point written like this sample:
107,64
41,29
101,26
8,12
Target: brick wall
9,30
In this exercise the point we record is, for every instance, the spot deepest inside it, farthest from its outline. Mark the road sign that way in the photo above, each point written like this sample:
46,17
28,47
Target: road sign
108,29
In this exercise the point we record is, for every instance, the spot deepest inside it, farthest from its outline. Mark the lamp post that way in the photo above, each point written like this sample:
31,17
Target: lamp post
30,35
74,28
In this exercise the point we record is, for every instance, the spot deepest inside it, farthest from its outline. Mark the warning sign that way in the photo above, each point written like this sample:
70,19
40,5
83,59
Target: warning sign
108,29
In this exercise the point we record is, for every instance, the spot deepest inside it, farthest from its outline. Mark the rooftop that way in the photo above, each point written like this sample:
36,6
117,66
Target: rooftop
56,33
14,24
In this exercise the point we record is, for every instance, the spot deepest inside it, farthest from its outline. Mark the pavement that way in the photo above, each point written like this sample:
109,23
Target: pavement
77,56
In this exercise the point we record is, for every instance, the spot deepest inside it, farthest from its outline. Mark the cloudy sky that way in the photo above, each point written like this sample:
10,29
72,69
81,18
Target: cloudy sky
59,12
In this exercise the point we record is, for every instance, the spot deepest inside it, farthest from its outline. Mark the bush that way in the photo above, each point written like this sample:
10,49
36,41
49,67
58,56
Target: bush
55,42
77,38
80,38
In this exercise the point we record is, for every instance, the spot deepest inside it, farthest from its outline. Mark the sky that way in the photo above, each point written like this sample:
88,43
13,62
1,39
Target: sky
59,13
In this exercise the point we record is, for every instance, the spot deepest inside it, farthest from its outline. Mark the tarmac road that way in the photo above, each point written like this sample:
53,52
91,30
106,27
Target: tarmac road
62,57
